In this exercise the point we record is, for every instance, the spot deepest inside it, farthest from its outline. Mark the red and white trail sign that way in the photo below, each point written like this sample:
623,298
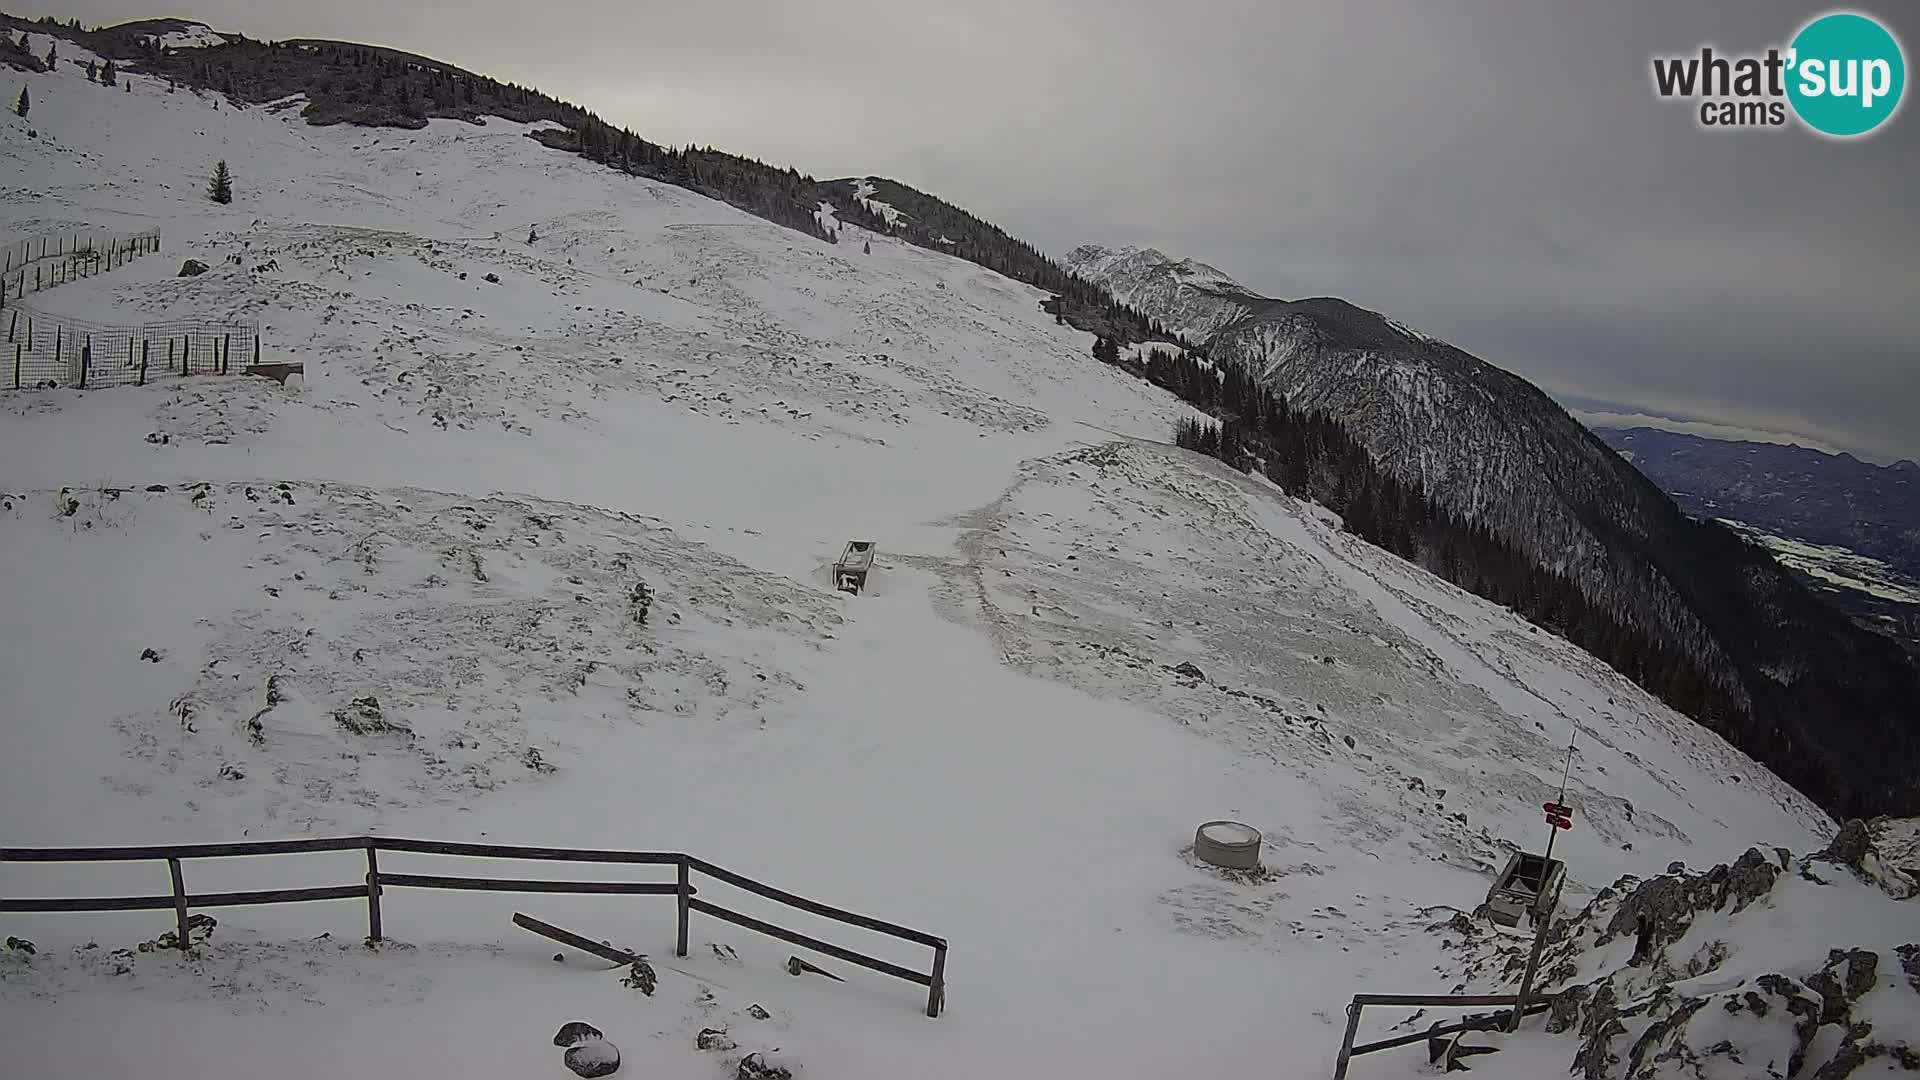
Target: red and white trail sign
1559,815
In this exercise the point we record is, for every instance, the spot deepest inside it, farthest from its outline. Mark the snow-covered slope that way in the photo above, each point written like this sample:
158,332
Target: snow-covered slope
996,743
1788,678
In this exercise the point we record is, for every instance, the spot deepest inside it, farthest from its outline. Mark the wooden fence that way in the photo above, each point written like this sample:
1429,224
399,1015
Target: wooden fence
1348,1051
43,262
377,881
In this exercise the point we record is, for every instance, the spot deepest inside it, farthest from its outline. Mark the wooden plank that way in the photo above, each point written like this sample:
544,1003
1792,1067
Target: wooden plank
88,903
509,851
815,944
1450,1029
684,889
1461,1000
436,881
277,896
568,937
937,989
179,903
1346,1043
789,899
182,851
373,892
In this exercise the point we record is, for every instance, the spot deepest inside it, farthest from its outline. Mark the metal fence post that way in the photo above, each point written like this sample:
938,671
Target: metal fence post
373,891
179,902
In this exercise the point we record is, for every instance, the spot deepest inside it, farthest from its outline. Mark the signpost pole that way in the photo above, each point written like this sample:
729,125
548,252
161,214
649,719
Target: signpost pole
1557,819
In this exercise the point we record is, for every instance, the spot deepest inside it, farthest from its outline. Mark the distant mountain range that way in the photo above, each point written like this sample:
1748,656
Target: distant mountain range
1792,491
1784,676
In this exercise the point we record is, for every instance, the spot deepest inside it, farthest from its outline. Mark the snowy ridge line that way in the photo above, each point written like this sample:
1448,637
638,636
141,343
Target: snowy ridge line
182,901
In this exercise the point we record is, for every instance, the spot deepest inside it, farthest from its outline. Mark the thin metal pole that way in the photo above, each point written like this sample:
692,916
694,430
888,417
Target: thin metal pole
1553,831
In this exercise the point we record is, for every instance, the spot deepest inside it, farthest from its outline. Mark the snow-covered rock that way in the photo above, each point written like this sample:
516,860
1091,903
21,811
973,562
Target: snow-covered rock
1772,965
593,1057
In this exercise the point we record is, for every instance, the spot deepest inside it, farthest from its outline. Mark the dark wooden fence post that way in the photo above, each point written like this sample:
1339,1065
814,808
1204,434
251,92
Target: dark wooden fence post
12,326
179,902
226,352
937,990
1346,1044
170,355
143,361
686,894
256,346
373,891
16,365
86,361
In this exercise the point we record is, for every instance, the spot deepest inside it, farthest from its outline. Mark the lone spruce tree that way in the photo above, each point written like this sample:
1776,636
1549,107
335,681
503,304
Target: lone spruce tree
108,74
24,103
221,190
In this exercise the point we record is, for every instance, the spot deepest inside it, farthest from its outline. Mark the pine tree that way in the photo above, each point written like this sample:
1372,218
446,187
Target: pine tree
107,74
93,71
24,103
533,234
221,189
866,248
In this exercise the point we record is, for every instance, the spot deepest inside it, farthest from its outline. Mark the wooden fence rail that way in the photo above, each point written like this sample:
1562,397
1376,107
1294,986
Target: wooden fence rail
1349,1051
377,881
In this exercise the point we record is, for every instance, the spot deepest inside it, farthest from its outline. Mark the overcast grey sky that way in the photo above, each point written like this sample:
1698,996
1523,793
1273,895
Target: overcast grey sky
1495,173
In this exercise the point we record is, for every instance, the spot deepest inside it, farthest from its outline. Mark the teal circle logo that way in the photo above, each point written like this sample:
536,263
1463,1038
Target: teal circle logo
1847,74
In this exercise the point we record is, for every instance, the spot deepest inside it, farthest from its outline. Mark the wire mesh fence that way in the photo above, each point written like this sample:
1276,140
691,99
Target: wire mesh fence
47,351
42,262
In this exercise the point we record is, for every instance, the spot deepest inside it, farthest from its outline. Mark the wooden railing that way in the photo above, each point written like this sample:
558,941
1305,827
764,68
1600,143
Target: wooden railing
1348,1051
377,881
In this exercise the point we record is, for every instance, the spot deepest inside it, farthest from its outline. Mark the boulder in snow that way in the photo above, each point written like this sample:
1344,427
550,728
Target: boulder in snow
593,1057
755,1067
575,1031
192,268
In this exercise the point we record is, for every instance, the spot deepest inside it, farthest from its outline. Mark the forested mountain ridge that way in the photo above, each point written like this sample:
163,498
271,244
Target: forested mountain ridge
1732,639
